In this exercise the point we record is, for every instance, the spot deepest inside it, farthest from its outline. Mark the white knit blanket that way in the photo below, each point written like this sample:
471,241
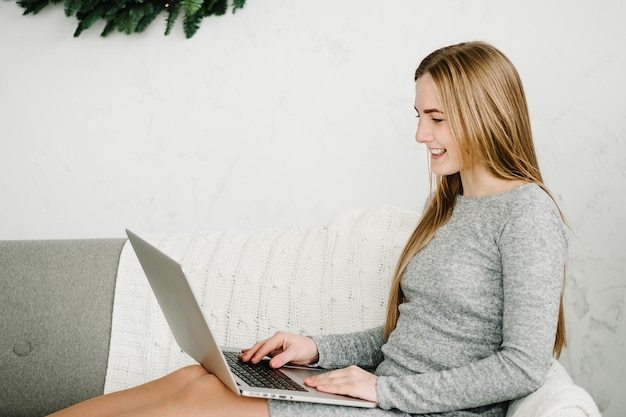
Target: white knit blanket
252,283
557,397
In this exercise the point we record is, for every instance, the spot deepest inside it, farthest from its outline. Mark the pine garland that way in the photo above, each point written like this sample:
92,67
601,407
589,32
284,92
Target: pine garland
134,16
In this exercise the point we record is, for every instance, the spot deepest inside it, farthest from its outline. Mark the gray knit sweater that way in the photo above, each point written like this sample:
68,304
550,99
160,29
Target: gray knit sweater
478,325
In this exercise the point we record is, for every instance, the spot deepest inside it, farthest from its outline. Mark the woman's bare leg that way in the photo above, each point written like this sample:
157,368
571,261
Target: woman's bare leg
121,402
206,396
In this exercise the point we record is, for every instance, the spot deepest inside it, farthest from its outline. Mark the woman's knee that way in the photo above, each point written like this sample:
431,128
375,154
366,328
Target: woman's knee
181,378
203,391
207,383
208,396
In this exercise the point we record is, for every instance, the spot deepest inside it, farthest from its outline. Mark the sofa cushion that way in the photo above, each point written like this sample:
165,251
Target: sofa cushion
557,397
56,299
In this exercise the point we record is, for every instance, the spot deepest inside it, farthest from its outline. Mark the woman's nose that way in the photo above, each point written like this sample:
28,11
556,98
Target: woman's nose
421,135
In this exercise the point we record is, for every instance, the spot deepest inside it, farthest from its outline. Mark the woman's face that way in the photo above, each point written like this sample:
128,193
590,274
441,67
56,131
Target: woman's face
433,129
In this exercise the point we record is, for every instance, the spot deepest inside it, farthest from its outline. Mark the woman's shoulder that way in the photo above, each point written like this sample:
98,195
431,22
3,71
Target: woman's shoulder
532,198
533,210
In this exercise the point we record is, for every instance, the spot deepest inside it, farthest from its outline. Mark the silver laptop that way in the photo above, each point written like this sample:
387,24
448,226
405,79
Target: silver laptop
192,333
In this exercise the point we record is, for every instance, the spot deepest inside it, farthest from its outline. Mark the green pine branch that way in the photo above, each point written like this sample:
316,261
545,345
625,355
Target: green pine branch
238,4
32,6
216,7
191,7
173,11
134,16
191,23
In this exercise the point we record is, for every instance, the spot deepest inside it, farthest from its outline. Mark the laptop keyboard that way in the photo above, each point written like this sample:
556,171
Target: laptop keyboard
260,375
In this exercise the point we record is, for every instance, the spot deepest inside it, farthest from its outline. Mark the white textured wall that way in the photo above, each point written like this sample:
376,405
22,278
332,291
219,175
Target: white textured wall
289,111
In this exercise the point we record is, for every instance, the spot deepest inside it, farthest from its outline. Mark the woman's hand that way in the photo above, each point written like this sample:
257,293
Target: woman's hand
283,348
352,381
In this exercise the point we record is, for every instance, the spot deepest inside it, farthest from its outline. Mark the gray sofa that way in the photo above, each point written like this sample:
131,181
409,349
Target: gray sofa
56,300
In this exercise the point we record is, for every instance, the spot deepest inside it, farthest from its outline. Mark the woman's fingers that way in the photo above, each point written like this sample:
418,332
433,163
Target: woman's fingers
283,348
352,381
299,350
260,350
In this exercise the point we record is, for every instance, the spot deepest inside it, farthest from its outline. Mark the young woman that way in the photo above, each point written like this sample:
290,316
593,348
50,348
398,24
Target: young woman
475,311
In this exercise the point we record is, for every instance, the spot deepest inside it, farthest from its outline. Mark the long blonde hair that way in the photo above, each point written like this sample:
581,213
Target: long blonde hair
485,105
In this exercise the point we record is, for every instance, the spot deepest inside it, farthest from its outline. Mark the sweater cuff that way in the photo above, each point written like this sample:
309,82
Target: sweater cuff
321,352
383,393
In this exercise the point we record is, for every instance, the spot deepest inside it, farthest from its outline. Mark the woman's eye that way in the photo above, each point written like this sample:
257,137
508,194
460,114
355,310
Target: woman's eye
437,120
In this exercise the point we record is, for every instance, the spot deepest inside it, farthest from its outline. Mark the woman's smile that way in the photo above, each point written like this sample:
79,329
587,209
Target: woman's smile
436,153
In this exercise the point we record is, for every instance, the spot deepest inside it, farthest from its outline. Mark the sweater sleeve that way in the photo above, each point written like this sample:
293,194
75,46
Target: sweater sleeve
532,246
359,348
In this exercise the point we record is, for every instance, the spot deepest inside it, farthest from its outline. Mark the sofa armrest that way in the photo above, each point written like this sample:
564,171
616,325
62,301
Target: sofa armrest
56,299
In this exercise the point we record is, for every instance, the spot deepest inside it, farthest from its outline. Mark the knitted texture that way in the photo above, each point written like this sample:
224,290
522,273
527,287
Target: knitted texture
557,397
249,284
